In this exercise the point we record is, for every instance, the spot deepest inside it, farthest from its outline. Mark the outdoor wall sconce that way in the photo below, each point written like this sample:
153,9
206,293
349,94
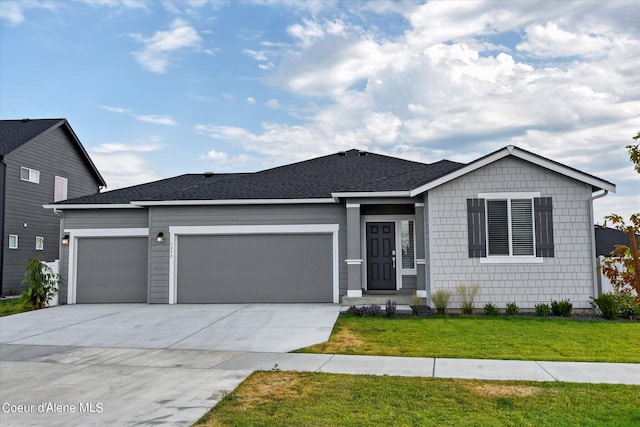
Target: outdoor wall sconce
160,237
65,239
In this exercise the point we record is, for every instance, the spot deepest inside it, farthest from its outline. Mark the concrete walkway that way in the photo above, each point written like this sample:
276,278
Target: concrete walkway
127,386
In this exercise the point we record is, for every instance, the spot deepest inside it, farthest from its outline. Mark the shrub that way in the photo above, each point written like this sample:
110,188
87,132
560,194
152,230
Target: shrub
512,309
42,283
561,308
543,310
491,310
468,295
372,310
415,307
440,299
390,308
628,307
607,306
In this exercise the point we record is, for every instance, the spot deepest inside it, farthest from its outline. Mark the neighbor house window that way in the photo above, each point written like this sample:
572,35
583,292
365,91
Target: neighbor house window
13,241
39,243
60,189
407,244
30,175
510,226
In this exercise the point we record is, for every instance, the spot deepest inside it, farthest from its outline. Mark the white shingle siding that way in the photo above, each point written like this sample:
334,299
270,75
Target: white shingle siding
567,275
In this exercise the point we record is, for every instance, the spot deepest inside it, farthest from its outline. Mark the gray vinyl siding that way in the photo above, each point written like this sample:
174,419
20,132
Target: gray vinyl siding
255,268
567,275
161,218
52,153
409,282
96,219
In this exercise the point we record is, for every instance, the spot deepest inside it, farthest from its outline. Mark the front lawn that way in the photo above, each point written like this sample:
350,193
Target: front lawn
318,399
13,306
485,338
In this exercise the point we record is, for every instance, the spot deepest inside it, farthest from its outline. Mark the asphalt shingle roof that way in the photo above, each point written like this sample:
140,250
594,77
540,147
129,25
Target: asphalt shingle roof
14,133
351,171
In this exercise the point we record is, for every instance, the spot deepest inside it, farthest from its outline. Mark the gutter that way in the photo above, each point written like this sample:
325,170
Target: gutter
594,263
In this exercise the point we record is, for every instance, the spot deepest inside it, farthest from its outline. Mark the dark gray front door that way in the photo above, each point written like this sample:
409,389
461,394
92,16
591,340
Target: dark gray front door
381,245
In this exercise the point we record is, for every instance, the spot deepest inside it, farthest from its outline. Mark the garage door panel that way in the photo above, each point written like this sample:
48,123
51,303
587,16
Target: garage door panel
255,268
112,270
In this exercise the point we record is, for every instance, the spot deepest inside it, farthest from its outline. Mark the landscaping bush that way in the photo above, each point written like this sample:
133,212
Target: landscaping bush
390,308
372,310
627,305
42,283
468,296
491,310
561,308
607,306
512,309
440,299
543,310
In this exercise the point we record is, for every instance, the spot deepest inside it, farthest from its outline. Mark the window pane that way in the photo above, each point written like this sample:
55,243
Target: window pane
522,227
13,241
498,227
408,251
24,174
39,243
35,176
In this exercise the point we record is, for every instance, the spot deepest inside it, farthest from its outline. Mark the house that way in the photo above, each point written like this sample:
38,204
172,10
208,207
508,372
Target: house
41,161
340,226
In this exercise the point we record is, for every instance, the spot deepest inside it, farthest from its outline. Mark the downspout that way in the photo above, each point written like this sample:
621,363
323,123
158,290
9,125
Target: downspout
3,166
594,263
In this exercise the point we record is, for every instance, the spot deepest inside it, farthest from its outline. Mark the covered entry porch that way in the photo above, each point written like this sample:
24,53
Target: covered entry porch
385,250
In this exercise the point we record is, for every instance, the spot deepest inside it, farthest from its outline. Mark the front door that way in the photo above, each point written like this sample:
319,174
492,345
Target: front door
381,256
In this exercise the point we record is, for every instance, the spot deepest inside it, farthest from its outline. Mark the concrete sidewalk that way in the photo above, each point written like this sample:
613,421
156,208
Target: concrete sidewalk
129,386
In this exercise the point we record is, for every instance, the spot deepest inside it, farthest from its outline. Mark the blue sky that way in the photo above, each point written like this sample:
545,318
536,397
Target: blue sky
160,88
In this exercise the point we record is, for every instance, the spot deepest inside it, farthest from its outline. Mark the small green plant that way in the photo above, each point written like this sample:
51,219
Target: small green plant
440,299
543,310
629,308
372,310
607,306
468,296
390,308
511,309
562,308
42,282
491,310
415,306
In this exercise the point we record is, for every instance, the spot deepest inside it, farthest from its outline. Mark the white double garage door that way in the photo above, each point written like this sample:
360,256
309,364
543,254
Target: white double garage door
220,265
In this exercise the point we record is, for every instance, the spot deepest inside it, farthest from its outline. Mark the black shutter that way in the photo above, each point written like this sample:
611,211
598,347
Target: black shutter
543,218
477,228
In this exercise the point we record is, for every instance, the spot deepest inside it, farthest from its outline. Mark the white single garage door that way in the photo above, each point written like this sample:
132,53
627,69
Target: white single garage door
112,269
255,268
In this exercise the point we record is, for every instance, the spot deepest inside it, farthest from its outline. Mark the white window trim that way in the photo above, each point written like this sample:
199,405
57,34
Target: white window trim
176,231
396,220
510,259
75,234
31,173
17,241
41,240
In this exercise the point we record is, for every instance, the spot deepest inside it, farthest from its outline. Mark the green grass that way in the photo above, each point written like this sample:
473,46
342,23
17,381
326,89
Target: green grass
317,399
485,338
13,306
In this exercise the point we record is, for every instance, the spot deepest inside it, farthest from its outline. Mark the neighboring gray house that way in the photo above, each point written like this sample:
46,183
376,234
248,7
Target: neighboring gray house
41,161
344,225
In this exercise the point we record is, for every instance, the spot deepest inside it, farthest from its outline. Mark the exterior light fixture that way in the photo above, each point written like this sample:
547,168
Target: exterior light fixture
160,237
65,239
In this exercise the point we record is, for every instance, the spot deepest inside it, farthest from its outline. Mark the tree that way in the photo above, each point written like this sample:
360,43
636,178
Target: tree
42,283
622,268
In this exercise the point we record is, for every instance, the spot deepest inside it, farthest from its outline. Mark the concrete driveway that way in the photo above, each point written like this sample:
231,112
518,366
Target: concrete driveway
138,364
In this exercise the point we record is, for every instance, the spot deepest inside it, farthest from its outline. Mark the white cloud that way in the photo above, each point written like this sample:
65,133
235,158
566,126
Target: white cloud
149,118
123,165
251,100
552,41
274,104
158,51
14,11
228,96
